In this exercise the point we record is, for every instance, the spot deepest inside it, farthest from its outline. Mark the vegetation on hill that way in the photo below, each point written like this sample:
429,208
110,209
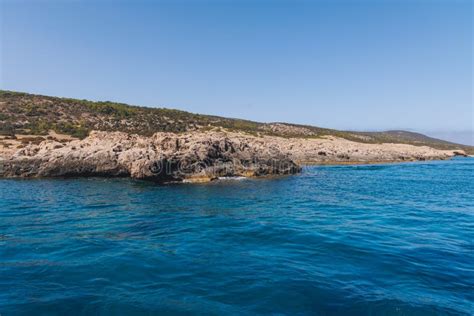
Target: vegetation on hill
23,113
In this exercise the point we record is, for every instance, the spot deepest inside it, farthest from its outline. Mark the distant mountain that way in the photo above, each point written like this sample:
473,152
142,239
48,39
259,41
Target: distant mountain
23,113
465,137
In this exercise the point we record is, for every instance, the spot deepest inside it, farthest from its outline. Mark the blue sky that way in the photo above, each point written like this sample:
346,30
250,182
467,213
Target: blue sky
364,65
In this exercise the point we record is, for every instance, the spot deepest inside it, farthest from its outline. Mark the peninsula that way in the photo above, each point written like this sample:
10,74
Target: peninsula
42,136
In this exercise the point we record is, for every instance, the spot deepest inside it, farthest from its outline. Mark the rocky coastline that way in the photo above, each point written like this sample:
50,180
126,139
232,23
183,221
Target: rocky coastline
163,157
196,156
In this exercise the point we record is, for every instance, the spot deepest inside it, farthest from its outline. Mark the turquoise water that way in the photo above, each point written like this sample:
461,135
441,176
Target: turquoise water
344,240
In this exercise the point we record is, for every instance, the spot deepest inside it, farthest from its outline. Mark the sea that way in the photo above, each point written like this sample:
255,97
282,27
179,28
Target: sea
386,239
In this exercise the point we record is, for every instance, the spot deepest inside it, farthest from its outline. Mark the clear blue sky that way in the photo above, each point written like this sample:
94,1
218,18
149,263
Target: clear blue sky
362,65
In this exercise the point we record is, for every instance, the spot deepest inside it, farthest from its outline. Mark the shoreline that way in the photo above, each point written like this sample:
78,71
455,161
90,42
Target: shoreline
371,162
207,180
198,157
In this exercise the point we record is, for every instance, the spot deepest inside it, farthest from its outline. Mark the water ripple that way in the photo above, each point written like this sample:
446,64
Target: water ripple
391,239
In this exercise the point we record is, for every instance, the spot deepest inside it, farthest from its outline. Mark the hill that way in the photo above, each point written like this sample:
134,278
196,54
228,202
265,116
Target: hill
23,113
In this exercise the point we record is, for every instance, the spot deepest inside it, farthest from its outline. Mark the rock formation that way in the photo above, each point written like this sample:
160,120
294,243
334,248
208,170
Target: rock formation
197,156
163,157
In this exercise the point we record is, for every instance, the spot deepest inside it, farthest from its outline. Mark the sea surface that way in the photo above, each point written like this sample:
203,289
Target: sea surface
393,239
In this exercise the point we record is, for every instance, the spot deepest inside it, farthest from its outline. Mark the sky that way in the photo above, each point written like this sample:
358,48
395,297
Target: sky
353,65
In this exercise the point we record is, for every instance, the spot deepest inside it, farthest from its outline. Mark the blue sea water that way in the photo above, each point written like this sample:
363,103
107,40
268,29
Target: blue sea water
392,239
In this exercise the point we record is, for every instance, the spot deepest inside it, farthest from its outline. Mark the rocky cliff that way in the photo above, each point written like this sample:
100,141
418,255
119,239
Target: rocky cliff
163,157
196,156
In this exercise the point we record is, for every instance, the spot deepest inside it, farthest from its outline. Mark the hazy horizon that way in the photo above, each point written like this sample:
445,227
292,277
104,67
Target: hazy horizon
361,65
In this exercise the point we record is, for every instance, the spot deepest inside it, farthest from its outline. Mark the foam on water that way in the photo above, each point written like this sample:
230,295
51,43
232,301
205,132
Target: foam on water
232,178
